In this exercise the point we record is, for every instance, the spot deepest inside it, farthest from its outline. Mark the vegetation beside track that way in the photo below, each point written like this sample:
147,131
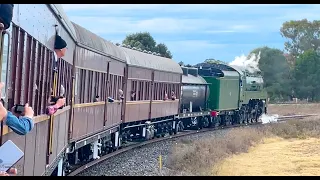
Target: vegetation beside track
200,157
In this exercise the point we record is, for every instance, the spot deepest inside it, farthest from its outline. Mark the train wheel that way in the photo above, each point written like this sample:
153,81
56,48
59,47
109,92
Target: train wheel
228,120
170,128
217,121
179,128
241,119
211,122
247,118
223,120
205,122
200,122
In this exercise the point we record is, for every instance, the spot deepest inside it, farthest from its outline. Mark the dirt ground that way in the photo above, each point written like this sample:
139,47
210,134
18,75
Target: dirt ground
290,148
292,109
275,157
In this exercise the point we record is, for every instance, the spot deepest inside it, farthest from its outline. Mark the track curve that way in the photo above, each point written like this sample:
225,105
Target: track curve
181,134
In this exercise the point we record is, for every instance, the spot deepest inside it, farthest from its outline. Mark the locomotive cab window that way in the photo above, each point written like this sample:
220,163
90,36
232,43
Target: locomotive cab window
254,80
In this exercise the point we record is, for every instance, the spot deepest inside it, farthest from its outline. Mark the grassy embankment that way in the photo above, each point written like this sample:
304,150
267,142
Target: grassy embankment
290,148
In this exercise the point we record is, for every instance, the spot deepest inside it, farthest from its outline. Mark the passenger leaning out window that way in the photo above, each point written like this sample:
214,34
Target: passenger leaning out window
59,103
121,97
96,99
165,96
19,119
6,12
173,96
133,96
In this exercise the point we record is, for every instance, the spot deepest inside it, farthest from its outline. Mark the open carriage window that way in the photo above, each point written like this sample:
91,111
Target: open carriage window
4,62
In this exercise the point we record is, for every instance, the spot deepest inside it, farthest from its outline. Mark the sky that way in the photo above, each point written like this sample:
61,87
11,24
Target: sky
194,32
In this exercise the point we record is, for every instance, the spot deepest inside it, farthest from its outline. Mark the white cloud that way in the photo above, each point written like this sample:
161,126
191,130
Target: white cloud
187,46
296,13
187,21
169,7
219,31
112,7
125,25
127,22
155,25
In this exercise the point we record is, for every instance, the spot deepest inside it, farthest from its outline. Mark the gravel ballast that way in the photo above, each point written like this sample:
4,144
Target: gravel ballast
144,161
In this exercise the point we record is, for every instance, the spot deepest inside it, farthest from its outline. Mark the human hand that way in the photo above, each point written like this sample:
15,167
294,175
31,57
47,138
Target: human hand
4,174
28,111
12,171
3,112
14,113
1,86
60,102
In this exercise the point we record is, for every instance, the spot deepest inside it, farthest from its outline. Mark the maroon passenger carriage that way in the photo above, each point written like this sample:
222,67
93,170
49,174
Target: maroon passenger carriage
84,129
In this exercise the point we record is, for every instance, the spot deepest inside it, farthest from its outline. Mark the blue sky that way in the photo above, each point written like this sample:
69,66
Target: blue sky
194,32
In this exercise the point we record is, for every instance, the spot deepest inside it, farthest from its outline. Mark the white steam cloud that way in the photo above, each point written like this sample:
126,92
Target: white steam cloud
269,118
250,63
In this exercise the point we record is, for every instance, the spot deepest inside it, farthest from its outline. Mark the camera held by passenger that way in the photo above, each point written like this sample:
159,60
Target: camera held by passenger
54,99
19,109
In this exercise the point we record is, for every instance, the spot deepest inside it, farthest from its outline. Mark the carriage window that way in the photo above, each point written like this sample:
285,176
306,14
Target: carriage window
140,91
4,62
76,84
148,87
134,90
155,91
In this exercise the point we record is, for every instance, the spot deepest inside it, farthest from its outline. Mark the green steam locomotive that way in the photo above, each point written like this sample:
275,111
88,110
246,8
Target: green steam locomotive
230,95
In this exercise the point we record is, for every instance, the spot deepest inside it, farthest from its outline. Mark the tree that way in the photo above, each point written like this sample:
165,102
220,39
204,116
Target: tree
307,75
290,59
181,63
145,41
302,35
275,71
214,61
163,50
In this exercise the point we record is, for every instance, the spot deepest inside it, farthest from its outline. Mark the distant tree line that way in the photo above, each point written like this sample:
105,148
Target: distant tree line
288,73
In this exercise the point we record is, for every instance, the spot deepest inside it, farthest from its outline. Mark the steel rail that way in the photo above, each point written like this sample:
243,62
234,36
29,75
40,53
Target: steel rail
181,134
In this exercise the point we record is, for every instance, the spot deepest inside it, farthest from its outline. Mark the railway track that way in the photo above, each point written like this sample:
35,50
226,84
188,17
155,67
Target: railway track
181,134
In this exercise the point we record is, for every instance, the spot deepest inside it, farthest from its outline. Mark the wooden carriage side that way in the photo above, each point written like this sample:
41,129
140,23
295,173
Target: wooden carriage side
91,66
99,70
29,79
150,77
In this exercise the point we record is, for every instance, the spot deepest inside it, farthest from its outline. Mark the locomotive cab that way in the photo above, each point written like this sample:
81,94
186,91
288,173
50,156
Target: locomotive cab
254,83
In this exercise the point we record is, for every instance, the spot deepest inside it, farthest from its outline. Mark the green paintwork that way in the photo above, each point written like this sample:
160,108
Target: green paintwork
247,91
224,91
233,90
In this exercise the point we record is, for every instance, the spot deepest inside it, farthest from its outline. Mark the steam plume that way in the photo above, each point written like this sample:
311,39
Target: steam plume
250,62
